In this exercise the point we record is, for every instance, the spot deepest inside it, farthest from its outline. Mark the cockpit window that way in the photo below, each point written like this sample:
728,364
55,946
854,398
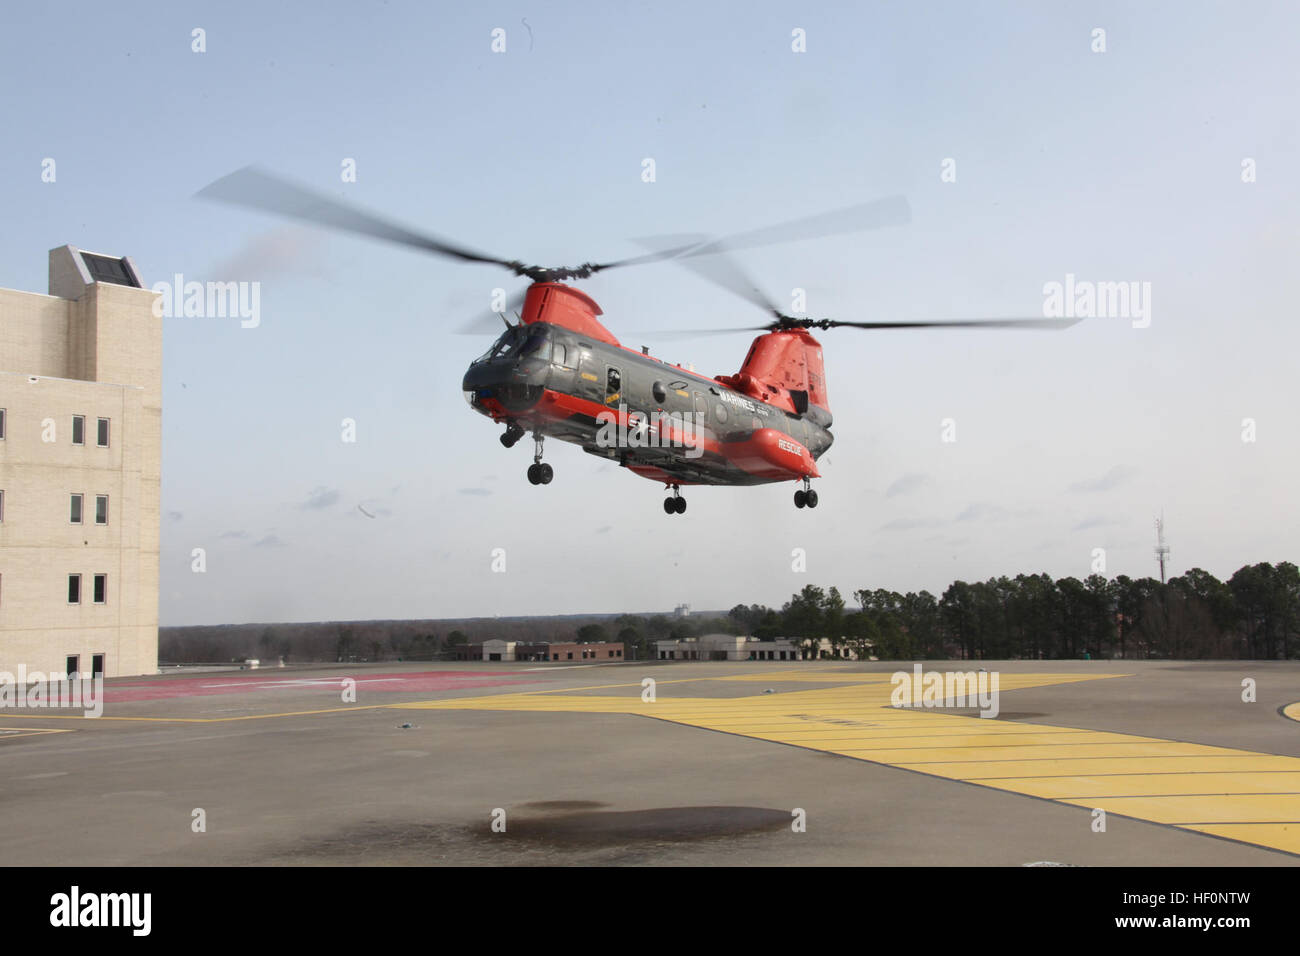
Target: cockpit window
502,346
519,341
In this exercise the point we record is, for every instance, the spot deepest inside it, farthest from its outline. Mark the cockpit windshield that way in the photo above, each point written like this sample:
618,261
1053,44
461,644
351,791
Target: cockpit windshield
502,346
519,341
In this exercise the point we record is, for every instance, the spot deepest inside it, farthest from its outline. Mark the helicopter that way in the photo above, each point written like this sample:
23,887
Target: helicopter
558,372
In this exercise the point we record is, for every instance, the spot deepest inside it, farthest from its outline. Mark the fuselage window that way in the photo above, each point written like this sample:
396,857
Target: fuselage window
613,386
561,355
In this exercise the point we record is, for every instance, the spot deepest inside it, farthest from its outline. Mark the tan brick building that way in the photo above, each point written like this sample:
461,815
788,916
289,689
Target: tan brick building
80,466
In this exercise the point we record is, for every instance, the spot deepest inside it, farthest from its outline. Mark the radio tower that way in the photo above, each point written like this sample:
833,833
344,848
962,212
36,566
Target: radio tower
1162,549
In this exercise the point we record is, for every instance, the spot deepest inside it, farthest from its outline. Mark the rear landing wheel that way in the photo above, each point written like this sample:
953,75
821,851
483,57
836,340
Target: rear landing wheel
534,474
800,498
811,498
681,505
545,473
670,506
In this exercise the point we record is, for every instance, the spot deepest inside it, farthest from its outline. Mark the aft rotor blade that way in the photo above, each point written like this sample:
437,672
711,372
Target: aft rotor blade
789,323
1036,323
876,214
257,189
718,268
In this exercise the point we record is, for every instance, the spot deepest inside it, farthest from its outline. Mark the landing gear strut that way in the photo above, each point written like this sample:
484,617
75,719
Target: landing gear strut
539,473
676,505
805,497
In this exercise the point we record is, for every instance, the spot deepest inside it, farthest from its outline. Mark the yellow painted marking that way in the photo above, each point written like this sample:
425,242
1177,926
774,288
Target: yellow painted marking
1215,808
1152,784
1249,797
1292,711
1242,762
1279,836
9,733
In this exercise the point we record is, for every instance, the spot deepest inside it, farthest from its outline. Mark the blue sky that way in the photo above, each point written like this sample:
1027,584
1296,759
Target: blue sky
1115,166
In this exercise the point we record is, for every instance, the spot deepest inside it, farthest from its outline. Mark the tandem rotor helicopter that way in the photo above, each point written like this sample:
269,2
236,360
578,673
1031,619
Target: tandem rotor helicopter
558,372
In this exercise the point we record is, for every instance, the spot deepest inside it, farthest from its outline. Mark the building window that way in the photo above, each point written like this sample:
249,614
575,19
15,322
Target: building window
75,517
2,506
2,424
101,509
78,429
101,438
101,588
74,588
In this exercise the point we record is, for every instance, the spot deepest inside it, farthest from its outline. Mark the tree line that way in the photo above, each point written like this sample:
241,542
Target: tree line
1255,614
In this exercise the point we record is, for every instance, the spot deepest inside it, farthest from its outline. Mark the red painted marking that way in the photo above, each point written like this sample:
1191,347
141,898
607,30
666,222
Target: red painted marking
240,682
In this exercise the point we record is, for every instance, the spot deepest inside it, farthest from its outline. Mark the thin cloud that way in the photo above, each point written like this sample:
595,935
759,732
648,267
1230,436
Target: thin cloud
912,524
1111,480
270,541
321,498
1095,521
907,484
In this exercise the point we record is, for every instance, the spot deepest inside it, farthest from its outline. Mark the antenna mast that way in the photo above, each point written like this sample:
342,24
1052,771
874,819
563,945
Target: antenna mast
1162,549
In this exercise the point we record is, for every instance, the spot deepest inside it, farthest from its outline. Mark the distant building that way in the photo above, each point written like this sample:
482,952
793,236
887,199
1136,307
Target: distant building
729,647
80,463
498,650
726,647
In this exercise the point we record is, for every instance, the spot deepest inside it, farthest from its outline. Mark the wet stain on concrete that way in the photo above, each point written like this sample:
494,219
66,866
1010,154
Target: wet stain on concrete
624,827
538,836
563,805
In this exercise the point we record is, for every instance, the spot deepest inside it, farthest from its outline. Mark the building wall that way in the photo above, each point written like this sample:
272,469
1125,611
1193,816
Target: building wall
99,356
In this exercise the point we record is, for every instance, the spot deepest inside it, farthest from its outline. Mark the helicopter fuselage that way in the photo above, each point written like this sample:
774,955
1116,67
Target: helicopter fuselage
657,419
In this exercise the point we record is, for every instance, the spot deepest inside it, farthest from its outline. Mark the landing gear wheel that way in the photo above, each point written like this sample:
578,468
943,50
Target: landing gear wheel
670,506
811,498
676,505
512,434
800,498
680,504
539,473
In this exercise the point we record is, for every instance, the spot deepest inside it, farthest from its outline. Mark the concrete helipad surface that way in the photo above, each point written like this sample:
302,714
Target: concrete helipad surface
1087,763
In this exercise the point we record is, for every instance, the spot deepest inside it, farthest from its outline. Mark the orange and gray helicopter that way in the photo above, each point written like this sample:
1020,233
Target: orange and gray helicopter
559,372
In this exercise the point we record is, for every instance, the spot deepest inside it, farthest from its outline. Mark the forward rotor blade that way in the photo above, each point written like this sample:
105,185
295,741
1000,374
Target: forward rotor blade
254,188
490,322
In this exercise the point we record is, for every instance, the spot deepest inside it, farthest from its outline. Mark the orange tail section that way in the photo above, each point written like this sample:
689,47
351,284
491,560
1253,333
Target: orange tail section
785,369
